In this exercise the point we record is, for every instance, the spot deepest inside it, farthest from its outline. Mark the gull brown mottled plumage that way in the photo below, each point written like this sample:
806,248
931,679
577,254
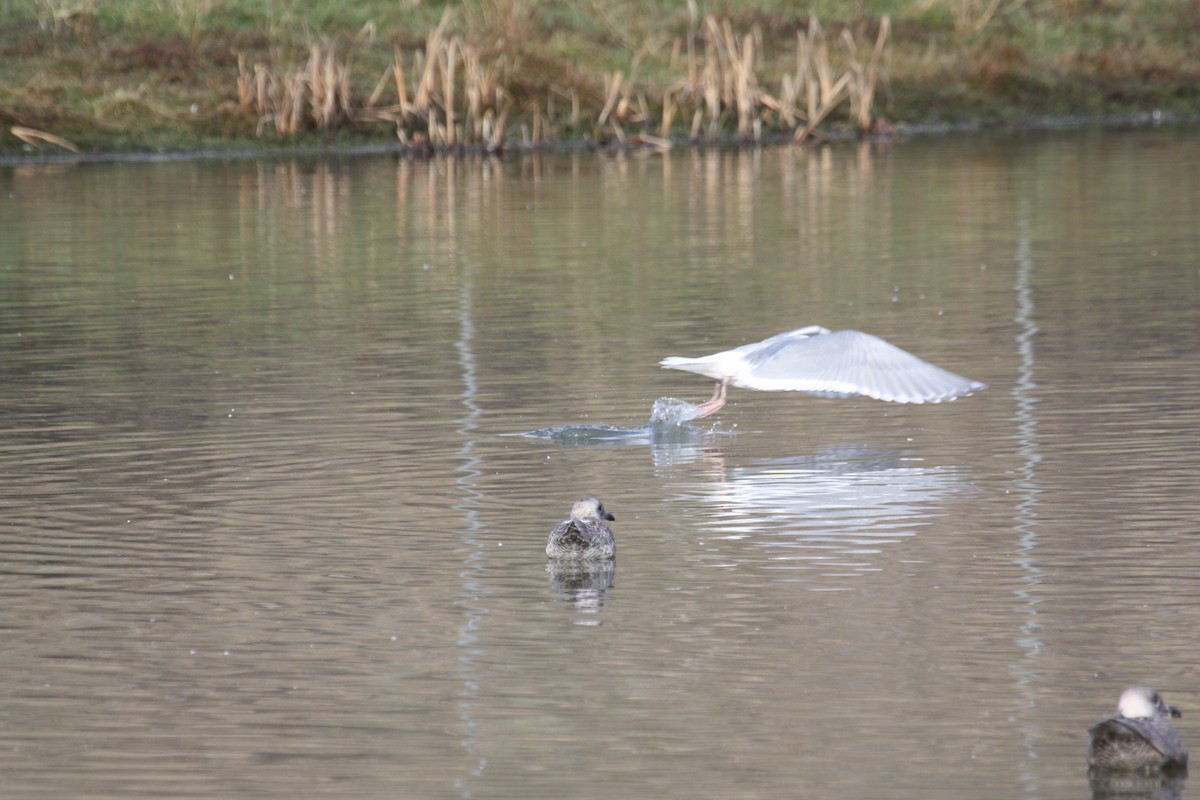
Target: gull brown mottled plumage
1139,737
583,536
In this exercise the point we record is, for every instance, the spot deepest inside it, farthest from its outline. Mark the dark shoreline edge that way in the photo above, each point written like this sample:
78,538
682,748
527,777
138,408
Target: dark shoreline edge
1150,119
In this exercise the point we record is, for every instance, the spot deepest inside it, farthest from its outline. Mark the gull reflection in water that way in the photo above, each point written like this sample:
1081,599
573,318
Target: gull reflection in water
1137,786
582,583
828,515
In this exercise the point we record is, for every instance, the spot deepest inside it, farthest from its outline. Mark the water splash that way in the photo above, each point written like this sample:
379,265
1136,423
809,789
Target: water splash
673,411
668,424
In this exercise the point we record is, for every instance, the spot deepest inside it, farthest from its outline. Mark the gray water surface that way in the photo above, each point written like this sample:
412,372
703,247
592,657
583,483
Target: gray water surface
265,529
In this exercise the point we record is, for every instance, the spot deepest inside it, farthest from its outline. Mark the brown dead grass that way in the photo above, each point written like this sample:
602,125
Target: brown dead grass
454,92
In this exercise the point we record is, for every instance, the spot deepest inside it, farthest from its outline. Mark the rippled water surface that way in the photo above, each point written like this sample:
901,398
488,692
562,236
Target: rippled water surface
266,529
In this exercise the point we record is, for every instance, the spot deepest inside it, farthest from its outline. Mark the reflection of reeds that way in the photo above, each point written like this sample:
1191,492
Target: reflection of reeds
451,94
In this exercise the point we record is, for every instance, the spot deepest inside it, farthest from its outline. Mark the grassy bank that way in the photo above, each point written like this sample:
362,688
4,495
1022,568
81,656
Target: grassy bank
185,74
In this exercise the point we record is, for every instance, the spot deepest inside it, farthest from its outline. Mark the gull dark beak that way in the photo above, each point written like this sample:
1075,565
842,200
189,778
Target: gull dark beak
611,518
1174,712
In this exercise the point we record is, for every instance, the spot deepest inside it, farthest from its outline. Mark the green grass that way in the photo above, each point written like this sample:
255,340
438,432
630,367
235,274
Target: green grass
162,74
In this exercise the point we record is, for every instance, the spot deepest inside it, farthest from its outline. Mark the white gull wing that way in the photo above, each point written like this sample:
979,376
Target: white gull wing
838,364
730,363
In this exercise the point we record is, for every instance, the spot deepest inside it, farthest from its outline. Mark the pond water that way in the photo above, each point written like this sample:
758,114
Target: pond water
266,529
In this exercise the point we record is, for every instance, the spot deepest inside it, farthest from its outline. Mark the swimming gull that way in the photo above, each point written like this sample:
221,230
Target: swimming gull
831,364
583,535
1139,737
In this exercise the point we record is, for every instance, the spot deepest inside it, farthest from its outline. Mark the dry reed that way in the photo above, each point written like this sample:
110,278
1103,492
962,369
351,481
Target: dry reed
31,137
455,100
314,96
722,82
452,94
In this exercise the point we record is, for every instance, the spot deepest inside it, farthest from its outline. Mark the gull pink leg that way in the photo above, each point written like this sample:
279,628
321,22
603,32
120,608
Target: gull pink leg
716,402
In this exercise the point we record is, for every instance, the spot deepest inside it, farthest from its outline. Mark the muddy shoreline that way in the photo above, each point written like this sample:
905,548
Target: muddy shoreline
275,151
